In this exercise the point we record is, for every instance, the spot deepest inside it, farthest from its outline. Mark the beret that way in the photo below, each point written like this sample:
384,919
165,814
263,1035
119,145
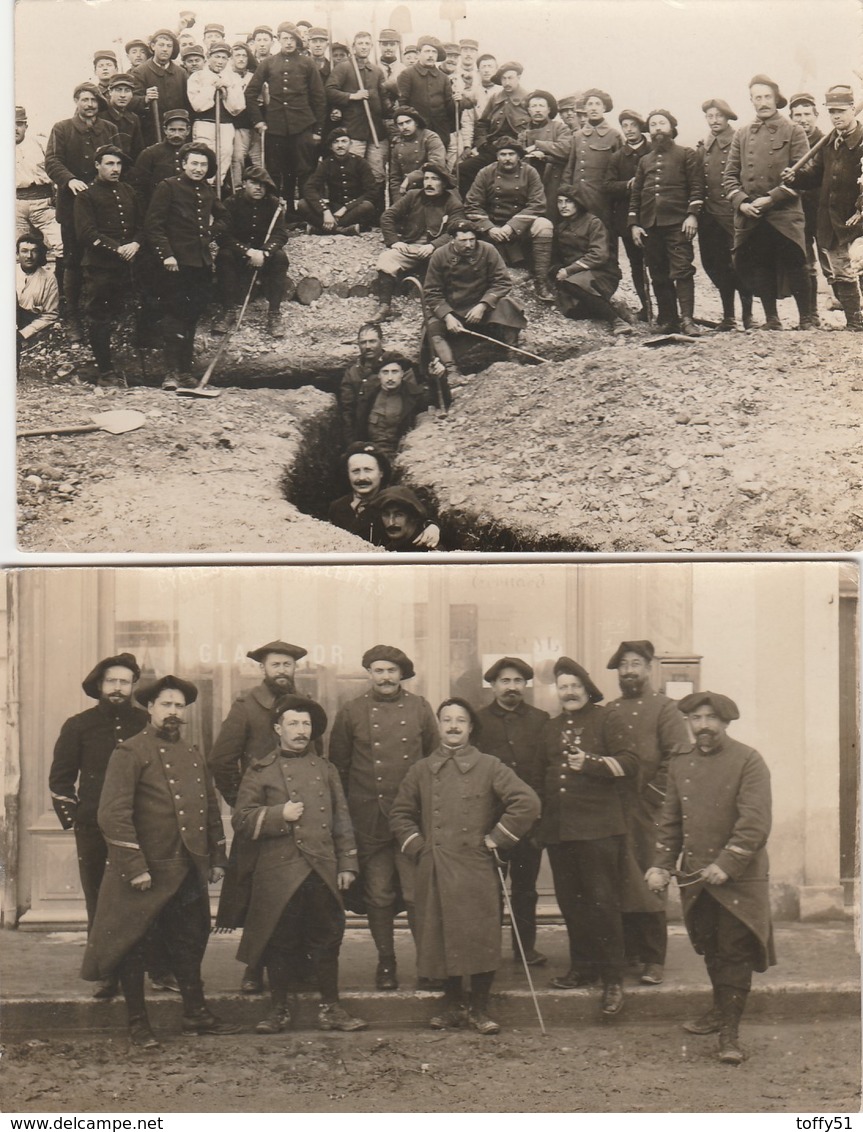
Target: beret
724,707
283,647
432,41
576,193
286,25
81,87
391,655
410,112
258,173
511,65
149,692
200,148
93,679
764,80
643,648
634,116
565,666
439,171
508,662
168,35
301,703
549,98
365,448
603,96
722,106
137,43
337,132
665,114
507,142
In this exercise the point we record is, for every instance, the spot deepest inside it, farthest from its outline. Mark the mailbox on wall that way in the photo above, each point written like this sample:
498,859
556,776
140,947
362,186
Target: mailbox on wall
677,676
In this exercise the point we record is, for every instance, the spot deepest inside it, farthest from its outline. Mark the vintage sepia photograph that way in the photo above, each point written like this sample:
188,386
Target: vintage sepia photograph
474,275
451,838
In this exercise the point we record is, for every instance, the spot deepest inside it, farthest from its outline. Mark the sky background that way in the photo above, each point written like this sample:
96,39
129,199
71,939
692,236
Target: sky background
646,53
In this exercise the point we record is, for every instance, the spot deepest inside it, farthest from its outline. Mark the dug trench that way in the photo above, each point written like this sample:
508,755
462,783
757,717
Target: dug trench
734,442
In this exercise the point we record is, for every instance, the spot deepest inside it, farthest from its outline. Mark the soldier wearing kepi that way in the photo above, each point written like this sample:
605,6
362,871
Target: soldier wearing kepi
34,211
511,729
664,205
716,223
246,735
77,773
802,109
619,179
158,162
131,140
714,826
292,808
160,819
375,740
650,722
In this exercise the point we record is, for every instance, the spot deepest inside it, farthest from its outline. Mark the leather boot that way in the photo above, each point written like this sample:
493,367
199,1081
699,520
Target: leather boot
541,268
849,297
707,1023
381,923
685,289
386,290
732,1003
666,308
72,292
442,349
746,304
813,300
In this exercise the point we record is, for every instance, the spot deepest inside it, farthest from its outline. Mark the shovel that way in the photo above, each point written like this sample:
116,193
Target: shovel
116,422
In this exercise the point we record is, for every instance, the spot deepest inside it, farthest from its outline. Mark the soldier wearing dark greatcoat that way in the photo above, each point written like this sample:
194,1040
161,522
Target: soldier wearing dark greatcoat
713,832
452,811
592,149
340,195
70,163
426,87
159,816
510,729
582,764
77,773
160,83
546,140
651,722
503,115
128,124
110,228
375,740
716,222
584,267
413,147
291,810
769,226
619,177
245,735
158,162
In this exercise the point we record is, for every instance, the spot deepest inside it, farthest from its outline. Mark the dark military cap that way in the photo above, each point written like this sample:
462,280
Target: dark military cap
105,53
433,41
398,496
391,655
724,707
218,46
175,115
258,173
764,80
409,47
138,43
549,98
202,148
149,692
169,35
193,49
92,681
393,357
112,150
287,26
725,110
219,28
337,132
512,65
643,648
260,654
565,666
366,448
120,80
20,114
452,49
571,102
665,114
334,47
474,43
409,112
300,703
603,96
508,662
634,116
318,33
839,97
263,30
507,142
465,225
91,87
389,35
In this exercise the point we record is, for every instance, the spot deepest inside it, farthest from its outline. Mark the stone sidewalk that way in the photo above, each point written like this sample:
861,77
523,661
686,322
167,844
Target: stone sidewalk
817,976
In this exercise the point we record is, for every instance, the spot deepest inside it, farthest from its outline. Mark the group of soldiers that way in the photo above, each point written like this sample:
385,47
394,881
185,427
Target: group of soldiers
415,810
465,170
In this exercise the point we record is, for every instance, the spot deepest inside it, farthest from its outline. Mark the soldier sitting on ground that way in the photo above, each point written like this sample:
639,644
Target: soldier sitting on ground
339,197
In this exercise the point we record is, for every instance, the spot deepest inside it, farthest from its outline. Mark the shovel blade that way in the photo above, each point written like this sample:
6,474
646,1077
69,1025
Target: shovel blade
199,391
119,420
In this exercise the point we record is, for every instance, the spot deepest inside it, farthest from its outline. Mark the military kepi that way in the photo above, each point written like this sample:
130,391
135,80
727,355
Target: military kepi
508,662
149,692
260,654
724,707
92,682
299,703
643,648
391,655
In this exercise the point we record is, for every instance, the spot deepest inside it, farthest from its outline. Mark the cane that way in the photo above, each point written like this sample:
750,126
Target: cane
439,382
157,125
218,105
515,932
506,345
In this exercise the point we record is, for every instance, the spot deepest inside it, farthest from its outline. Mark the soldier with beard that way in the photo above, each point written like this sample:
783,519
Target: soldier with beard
246,735
160,818
657,732
511,730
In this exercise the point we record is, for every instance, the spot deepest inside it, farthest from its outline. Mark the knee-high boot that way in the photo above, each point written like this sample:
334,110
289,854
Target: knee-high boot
381,924
732,1003
848,294
386,290
685,289
541,268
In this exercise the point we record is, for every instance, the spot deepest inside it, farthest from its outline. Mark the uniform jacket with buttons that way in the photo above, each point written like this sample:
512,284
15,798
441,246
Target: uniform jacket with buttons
587,165
446,805
297,99
713,152
668,187
342,83
340,182
621,170
586,804
504,115
128,124
496,198
834,171
514,737
456,283
246,222
155,163
419,219
408,155
158,814
718,811
179,221
81,756
429,91
106,217
758,154
71,156
320,841
170,81
374,742
356,382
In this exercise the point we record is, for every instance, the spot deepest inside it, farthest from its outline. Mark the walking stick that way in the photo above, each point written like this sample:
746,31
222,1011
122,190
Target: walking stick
506,345
201,390
515,932
438,381
157,125
648,301
218,105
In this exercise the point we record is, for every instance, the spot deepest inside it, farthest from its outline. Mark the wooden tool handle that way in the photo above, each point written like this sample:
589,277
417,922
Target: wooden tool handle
65,431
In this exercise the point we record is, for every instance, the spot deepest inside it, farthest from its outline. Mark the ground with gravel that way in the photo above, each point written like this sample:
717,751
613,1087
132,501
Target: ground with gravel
793,1067
734,442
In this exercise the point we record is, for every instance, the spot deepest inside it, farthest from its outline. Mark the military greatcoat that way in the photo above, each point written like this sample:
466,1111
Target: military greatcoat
445,807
